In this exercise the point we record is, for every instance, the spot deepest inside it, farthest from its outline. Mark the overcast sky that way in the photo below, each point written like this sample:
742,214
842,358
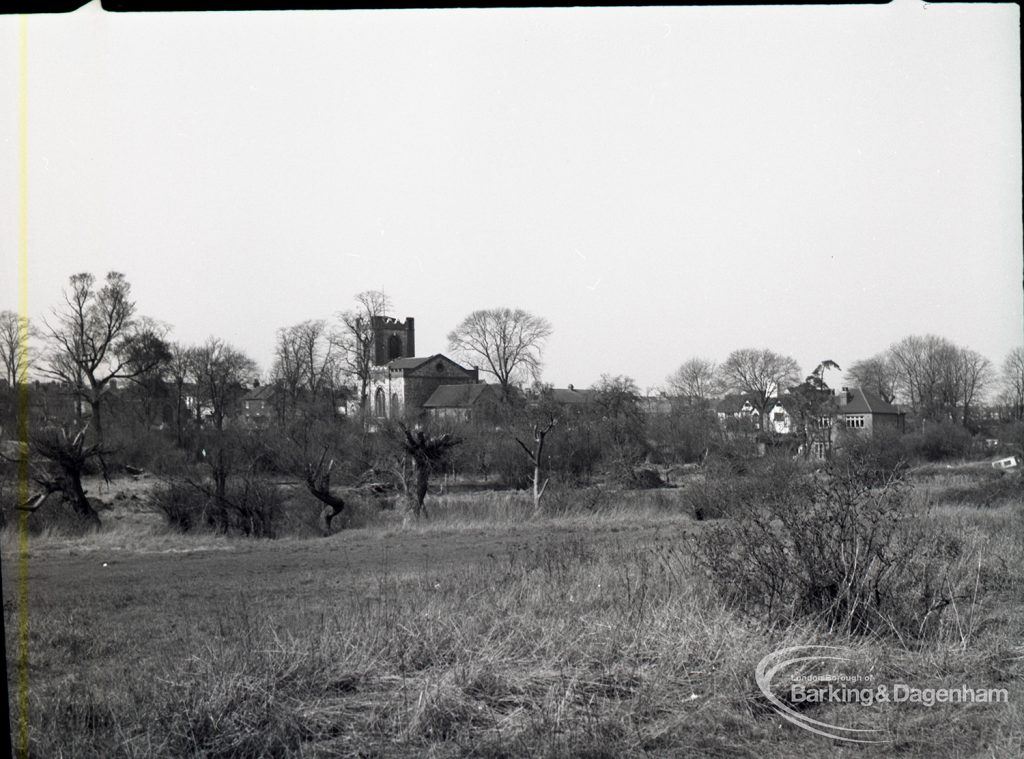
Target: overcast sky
660,183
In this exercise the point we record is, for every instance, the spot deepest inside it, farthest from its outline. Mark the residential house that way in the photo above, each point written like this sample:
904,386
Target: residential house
257,406
778,418
738,412
570,396
858,409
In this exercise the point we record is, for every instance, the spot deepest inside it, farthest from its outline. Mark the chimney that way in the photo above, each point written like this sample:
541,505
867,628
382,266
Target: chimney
571,387
843,396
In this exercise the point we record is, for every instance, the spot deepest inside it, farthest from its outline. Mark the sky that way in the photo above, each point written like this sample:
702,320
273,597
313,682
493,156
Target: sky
659,183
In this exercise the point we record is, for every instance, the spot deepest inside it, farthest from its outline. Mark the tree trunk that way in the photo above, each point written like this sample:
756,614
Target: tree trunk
538,489
218,518
94,406
76,494
422,484
177,419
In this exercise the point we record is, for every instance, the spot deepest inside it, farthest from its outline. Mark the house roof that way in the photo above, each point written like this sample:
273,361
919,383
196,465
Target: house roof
731,404
570,395
459,396
860,401
261,393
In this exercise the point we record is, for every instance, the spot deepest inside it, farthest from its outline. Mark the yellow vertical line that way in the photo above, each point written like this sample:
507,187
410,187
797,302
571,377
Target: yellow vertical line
22,744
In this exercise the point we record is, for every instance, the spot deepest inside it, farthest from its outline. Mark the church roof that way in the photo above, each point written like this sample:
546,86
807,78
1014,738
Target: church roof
459,396
411,362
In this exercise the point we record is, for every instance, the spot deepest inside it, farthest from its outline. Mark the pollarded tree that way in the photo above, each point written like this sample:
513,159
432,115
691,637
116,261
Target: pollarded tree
535,453
429,452
506,343
95,338
69,456
759,373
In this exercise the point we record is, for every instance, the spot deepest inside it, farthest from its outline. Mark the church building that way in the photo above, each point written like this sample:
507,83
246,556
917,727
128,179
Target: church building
401,381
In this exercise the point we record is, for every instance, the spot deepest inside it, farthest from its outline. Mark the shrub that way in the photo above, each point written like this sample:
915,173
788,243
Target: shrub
252,506
940,442
882,453
182,505
730,483
837,547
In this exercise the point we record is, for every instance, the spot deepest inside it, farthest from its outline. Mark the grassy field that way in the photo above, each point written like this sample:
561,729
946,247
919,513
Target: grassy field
486,631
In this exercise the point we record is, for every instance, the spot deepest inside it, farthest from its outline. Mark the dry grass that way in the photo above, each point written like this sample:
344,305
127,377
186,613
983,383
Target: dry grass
589,633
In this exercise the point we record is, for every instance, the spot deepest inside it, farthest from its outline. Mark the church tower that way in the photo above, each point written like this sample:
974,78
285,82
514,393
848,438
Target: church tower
392,339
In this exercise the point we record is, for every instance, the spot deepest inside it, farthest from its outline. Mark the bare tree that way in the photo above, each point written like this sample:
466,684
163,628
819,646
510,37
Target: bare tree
318,483
508,344
70,455
221,372
1013,381
937,378
924,366
696,378
760,373
180,371
357,326
429,452
304,361
876,374
973,376
15,331
95,339
535,454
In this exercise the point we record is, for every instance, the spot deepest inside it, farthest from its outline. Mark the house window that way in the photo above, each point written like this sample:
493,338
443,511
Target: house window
780,416
824,422
818,450
855,421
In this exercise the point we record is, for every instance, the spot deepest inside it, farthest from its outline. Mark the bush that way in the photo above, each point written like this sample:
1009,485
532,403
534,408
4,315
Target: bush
153,450
730,483
836,547
940,442
878,456
252,506
182,506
